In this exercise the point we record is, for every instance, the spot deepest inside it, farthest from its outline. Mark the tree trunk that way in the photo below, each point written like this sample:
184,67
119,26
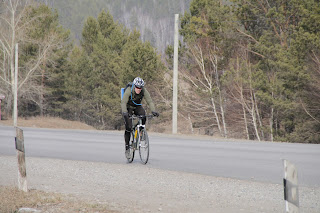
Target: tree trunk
271,125
254,120
42,88
243,104
258,115
221,104
4,64
245,122
214,62
216,115
222,115
254,116
253,111
191,126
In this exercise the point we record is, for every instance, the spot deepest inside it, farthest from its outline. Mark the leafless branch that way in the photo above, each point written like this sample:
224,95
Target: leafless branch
247,35
305,109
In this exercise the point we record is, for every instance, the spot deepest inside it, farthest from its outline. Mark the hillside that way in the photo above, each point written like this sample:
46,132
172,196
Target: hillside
48,122
154,19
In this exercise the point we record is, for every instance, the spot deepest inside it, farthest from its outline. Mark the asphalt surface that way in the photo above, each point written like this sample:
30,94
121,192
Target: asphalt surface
239,159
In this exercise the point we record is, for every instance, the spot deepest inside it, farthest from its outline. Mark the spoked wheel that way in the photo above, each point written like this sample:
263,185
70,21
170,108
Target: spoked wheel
130,153
144,146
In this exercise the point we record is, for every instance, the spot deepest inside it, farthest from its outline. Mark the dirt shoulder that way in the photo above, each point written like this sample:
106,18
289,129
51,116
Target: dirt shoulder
14,200
48,122
78,186
138,188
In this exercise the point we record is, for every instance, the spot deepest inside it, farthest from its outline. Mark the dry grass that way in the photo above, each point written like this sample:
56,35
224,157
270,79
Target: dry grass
48,122
13,199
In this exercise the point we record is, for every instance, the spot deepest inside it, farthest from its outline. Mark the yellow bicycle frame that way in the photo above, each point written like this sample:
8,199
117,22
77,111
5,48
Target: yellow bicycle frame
135,134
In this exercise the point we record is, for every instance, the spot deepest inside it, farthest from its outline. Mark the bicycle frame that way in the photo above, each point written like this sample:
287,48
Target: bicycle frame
136,129
139,139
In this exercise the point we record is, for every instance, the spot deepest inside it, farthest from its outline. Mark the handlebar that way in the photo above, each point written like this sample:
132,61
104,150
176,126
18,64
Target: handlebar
133,117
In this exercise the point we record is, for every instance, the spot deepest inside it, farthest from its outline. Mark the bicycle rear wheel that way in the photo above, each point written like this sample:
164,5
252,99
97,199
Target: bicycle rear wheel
130,154
144,146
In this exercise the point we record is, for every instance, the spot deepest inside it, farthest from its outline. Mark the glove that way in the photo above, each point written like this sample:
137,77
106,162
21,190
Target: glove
155,114
125,115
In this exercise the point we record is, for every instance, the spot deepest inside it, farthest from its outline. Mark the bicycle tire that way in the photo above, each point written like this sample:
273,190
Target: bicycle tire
144,146
130,156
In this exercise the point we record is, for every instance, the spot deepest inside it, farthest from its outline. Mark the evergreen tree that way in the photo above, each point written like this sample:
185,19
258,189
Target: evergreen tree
42,45
113,57
275,29
90,34
265,58
77,88
209,37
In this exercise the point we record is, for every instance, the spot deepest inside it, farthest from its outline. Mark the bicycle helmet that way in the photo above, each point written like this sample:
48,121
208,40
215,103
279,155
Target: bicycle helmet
138,82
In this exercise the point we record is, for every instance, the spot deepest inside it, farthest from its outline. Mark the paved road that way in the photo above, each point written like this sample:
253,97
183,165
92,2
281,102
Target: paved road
247,160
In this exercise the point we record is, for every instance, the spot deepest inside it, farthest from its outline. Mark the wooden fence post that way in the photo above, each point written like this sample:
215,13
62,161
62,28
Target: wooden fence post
290,183
22,172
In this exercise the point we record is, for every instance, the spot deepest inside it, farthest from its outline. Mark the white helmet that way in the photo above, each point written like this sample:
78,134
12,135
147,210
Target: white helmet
138,82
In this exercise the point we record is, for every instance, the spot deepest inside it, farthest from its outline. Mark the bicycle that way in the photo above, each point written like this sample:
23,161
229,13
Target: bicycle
139,139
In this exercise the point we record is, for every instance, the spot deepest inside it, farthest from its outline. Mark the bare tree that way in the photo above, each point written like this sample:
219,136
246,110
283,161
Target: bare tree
18,21
206,80
10,19
314,107
241,90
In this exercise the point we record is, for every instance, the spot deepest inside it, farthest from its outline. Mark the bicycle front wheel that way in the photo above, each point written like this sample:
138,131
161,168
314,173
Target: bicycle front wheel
144,146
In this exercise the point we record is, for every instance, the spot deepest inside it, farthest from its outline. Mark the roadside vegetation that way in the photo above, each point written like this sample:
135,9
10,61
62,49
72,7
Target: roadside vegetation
48,122
247,69
13,199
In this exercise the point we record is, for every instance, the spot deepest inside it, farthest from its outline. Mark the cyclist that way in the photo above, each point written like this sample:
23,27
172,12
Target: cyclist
131,104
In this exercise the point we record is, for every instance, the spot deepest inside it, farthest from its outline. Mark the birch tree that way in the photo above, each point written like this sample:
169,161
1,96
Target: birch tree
281,37
208,33
241,89
36,29
10,22
206,79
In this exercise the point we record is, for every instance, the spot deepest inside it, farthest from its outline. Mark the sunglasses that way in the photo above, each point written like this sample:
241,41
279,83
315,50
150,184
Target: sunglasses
139,87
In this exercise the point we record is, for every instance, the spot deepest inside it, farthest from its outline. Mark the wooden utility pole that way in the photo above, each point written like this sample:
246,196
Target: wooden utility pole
15,93
175,76
19,140
291,192
22,171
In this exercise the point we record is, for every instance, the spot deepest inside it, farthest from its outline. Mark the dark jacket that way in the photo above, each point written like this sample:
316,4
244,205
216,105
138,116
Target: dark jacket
129,101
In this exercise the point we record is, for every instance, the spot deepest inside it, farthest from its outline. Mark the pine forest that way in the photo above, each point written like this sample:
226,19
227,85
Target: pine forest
247,69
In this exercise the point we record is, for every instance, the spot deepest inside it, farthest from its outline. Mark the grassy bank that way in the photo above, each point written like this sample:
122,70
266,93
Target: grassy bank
13,199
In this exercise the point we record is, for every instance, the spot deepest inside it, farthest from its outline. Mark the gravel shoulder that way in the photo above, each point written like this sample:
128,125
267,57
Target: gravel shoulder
138,188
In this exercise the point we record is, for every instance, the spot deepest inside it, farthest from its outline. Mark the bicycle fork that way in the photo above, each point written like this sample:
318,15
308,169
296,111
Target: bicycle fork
137,133
135,139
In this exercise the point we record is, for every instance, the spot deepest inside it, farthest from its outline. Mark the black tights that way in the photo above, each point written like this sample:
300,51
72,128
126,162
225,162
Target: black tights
128,122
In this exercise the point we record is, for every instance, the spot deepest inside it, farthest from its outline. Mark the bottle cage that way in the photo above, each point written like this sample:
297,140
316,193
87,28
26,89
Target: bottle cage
131,97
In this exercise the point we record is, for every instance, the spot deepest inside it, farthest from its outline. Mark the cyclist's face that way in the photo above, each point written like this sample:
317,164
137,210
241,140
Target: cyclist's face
137,90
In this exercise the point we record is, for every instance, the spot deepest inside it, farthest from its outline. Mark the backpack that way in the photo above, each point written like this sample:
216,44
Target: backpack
124,89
